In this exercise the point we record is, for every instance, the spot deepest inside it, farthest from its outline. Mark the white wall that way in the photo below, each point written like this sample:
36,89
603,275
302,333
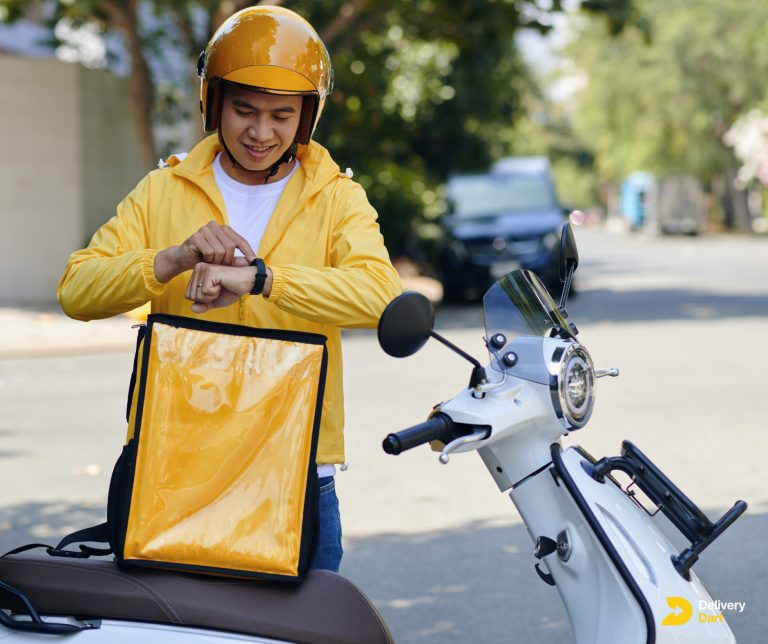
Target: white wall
68,157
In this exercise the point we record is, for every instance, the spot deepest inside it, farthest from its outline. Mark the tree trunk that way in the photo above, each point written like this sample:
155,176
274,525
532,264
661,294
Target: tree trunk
140,80
141,98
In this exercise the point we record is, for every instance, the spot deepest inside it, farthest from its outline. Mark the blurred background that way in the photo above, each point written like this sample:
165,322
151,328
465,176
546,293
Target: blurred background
652,116
476,127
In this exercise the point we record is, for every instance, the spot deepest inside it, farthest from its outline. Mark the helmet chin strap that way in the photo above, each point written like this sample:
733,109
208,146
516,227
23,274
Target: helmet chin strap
288,156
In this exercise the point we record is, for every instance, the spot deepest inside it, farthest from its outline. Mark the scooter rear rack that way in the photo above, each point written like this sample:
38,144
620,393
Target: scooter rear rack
686,516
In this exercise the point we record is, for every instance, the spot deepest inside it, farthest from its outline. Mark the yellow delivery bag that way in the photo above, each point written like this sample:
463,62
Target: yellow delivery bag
218,475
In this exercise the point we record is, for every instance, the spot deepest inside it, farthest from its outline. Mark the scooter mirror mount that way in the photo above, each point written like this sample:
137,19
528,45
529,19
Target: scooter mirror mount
569,261
406,325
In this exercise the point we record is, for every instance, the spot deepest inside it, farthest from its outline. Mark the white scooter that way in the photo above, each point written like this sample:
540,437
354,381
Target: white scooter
619,576
621,579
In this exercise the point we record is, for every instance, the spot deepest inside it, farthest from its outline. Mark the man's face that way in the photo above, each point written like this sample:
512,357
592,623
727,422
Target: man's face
258,128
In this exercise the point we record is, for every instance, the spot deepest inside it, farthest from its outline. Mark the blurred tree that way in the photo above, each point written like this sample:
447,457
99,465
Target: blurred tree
423,87
661,98
124,17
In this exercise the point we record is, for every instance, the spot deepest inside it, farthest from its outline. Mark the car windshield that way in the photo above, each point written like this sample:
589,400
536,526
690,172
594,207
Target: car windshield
519,305
488,194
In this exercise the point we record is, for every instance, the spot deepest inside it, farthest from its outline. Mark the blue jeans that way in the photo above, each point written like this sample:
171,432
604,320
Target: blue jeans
328,555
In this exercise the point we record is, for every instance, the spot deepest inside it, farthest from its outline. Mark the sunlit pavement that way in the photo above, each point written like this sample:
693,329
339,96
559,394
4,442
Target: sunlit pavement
438,548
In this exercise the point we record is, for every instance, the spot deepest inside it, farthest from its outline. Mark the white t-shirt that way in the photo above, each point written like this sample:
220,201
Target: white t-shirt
249,209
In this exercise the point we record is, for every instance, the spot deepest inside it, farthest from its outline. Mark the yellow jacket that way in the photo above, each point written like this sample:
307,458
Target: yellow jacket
330,267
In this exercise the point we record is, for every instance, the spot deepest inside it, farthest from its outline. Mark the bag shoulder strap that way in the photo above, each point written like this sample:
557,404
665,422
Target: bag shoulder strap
97,533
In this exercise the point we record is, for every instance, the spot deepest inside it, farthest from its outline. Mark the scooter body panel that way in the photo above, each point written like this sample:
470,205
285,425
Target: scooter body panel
617,574
647,554
599,604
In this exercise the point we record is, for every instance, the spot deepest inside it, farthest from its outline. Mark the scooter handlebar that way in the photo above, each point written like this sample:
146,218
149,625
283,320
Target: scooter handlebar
436,428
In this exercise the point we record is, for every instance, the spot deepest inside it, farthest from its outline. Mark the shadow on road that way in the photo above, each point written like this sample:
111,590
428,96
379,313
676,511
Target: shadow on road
477,584
445,587
605,305
471,584
45,522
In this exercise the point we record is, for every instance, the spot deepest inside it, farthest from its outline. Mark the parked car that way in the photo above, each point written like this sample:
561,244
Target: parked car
499,221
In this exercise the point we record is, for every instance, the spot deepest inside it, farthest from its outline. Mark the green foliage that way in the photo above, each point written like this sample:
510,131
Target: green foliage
425,91
664,106
430,88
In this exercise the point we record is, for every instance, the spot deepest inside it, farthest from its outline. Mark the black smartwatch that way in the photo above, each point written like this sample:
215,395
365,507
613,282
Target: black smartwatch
261,276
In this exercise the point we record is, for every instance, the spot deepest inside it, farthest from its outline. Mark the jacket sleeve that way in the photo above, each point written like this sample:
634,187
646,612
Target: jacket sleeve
360,281
116,272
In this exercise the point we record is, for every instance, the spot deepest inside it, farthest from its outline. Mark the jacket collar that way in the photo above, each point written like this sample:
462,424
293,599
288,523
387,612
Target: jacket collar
197,167
317,170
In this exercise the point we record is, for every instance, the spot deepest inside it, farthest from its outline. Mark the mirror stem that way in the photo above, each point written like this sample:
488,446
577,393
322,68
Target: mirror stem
566,289
453,347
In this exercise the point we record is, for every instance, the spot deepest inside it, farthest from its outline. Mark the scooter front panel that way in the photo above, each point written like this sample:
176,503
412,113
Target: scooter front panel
647,554
600,606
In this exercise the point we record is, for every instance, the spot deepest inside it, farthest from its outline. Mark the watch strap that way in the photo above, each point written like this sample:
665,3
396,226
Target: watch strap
260,277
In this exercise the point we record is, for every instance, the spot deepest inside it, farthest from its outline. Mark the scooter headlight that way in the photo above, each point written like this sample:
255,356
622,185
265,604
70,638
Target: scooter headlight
573,391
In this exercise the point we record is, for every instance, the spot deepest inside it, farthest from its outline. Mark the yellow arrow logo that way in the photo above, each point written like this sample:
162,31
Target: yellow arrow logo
676,618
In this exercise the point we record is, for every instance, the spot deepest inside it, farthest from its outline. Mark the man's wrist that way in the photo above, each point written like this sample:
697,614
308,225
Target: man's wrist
166,265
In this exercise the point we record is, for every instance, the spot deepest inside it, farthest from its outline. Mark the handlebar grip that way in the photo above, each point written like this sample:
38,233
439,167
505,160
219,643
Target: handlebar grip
436,428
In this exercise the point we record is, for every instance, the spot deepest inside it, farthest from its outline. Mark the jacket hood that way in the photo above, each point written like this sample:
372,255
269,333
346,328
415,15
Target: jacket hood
316,171
317,166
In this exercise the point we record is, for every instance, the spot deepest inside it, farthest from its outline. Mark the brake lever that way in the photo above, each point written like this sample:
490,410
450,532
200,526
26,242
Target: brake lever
475,437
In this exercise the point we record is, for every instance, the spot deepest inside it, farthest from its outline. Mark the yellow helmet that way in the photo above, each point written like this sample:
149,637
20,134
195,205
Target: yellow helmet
268,49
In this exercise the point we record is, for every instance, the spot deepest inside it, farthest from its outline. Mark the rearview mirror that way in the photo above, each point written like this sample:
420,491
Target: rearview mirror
406,324
569,254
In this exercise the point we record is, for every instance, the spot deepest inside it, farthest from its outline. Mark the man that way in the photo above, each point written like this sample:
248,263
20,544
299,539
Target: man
273,234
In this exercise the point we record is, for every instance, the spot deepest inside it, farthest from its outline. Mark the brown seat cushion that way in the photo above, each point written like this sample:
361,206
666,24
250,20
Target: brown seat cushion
324,608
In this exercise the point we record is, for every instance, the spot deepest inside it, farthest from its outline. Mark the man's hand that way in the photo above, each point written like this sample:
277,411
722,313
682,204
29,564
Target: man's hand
214,286
212,244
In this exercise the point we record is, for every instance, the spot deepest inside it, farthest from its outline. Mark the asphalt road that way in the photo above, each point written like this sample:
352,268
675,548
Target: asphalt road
439,550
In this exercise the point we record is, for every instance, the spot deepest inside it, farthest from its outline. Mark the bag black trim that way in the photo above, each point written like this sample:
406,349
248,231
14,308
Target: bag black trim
139,337
182,322
311,516
209,570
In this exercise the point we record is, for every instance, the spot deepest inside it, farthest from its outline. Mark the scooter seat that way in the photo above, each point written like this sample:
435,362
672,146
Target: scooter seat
324,608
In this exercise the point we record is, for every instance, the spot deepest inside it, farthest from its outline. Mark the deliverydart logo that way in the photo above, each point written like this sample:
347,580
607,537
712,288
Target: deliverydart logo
682,612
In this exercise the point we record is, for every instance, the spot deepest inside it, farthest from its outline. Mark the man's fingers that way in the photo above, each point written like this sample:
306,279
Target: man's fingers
215,244
239,242
199,282
239,262
189,293
200,307
202,244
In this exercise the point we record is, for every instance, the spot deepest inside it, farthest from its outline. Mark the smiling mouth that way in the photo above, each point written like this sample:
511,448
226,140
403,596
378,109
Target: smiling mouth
259,150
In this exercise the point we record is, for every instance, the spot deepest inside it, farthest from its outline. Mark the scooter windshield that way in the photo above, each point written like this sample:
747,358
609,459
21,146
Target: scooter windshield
519,305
